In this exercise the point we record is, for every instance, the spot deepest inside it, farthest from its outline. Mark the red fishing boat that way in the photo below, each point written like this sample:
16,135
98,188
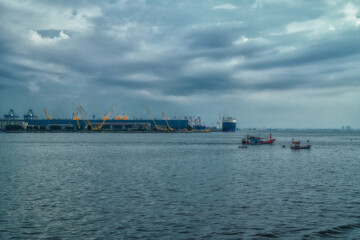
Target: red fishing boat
253,140
297,145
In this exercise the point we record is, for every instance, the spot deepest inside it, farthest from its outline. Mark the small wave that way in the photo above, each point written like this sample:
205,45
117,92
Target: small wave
332,232
143,230
31,233
266,235
233,233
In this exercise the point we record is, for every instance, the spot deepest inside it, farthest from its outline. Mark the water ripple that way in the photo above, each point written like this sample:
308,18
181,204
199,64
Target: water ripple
181,186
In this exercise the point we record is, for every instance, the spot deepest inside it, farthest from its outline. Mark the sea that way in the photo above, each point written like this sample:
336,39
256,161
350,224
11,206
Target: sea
179,186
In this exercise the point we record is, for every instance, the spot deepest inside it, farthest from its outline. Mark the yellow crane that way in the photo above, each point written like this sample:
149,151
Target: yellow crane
82,111
47,115
106,117
76,116
167,123
152,118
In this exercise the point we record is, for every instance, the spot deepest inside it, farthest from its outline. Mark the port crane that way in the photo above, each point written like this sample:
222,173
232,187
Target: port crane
47,115
30,115
11,115
82,111
153,119
76,116
106,117
167,123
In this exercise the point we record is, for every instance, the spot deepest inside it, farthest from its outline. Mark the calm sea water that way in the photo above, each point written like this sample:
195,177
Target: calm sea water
178,186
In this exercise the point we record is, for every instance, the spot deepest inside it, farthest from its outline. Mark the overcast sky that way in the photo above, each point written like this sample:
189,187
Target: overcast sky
269,63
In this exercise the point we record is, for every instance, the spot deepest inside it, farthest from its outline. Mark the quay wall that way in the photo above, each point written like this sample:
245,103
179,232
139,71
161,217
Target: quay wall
68,124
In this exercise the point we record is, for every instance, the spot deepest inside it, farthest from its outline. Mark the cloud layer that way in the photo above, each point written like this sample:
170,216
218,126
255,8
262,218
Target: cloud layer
268,63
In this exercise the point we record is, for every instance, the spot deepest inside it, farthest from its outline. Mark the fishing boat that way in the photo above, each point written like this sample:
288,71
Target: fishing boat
254,140
297,145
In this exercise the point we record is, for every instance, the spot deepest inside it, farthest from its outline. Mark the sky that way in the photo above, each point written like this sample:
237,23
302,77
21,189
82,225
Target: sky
269,63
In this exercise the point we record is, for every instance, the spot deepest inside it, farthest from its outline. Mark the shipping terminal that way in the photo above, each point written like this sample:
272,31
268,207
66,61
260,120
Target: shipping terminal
119,123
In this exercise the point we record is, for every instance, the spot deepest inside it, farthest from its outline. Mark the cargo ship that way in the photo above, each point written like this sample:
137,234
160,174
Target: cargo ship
228,124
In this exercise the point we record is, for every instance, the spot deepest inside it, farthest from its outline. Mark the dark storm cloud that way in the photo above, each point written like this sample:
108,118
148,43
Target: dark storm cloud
176,52
214,37
207,83
330,49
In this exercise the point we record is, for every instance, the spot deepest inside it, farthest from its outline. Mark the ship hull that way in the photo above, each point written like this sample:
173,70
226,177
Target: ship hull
229,126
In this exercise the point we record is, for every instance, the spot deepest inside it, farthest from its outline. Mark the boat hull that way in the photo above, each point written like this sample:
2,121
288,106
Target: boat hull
268,142
300,147
258,142
252,140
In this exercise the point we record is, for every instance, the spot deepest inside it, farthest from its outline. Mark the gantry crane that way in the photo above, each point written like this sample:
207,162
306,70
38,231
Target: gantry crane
167,123
47,115
11,115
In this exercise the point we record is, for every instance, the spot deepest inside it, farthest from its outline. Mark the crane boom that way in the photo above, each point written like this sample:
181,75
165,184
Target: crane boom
86,116
106,117
152,117
167,123
47,115
76,116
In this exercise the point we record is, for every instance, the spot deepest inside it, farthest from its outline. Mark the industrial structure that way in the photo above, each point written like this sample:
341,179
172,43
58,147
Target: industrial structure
30,115
11,115
81,122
